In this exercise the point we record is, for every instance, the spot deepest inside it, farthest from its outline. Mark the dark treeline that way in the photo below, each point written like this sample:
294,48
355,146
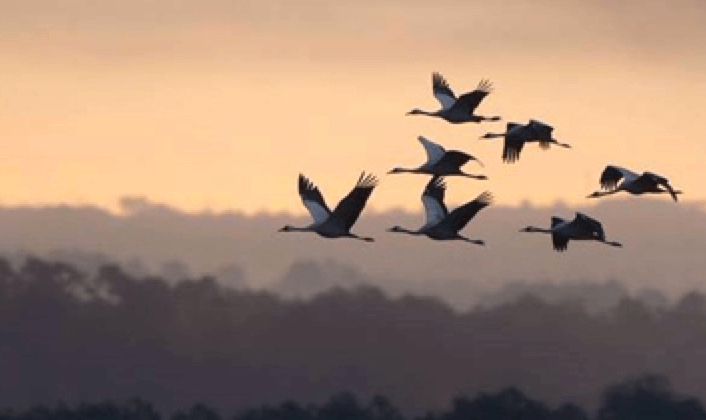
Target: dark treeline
66,336
645,398
306,278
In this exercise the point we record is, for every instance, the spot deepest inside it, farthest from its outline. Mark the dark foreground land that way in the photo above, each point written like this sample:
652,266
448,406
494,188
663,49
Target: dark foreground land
67,336
646,398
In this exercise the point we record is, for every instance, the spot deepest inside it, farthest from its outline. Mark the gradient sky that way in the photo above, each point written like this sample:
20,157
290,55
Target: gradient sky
220,104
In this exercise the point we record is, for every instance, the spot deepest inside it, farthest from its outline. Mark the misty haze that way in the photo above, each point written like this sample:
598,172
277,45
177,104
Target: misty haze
662,252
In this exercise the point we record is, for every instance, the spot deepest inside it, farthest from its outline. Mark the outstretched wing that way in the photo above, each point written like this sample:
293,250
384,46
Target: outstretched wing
556,221
541,132
559,242
459,218
456,159
313,200
588,225
512,146
434,151
442,91
350,207
655,179
613,174
468,102
433,200
512,126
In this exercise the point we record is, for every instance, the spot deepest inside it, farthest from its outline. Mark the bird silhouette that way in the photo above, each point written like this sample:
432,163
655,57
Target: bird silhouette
457,110
646,183
336,223
582,228
440,224
441,162
516,135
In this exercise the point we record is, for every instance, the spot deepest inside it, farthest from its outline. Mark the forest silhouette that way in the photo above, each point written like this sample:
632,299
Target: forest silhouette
647,398
68,336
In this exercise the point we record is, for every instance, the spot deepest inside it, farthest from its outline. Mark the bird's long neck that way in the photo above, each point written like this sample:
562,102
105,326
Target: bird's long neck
422,112
534,229
296,229
493,135
399,229
362,238
493,118
604,193
405,170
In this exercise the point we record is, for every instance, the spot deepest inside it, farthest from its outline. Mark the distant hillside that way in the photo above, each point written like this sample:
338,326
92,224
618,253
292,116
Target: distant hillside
664,247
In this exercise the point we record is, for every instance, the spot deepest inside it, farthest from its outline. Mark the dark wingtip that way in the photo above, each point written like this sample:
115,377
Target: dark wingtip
367,180
304,183
486,197
485,85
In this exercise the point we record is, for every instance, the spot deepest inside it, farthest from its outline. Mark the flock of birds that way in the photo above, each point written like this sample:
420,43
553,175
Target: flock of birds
441,224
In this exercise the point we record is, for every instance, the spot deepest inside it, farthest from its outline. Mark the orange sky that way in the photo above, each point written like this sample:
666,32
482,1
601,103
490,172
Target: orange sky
221,104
